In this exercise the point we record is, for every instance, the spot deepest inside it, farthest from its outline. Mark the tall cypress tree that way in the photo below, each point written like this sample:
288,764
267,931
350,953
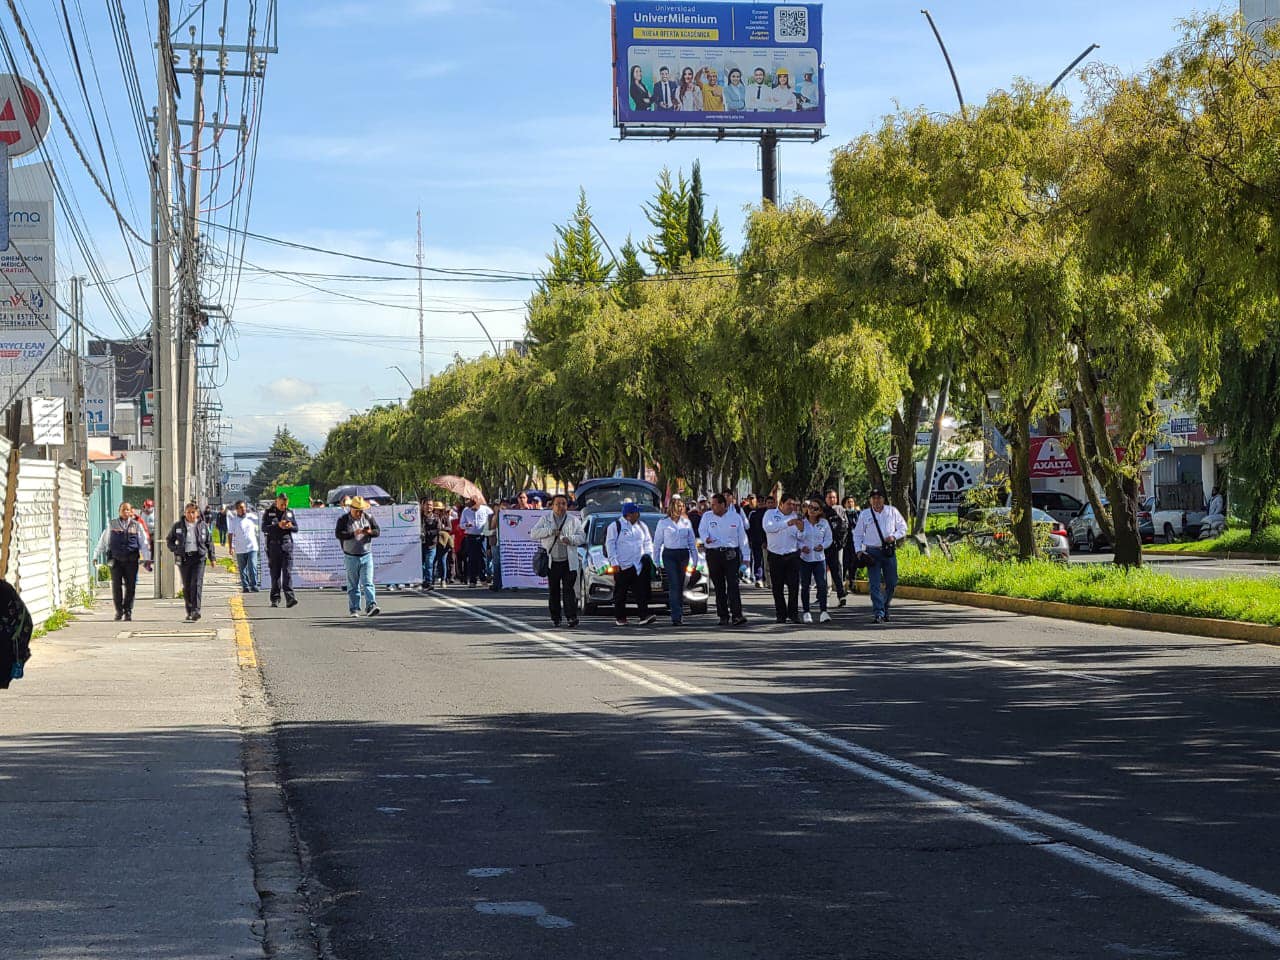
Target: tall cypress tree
695,228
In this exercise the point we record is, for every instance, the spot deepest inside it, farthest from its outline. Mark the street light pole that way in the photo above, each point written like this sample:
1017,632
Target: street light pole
485,329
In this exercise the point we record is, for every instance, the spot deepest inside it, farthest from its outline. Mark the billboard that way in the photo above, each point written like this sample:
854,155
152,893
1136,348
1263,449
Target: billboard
720,65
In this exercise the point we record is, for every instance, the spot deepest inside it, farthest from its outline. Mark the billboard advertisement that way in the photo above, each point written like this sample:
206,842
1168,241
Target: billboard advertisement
721,65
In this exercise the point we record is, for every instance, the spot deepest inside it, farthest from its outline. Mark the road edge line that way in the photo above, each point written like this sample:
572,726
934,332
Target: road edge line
1099,616
278,877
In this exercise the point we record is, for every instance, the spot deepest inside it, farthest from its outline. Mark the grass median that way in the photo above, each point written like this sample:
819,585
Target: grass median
1096,585
1267,542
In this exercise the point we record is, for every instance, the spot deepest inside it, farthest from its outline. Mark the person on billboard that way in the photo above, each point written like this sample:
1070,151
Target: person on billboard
712,93
689,94
760,94
807,91
784,95
735,91
641,99
664,91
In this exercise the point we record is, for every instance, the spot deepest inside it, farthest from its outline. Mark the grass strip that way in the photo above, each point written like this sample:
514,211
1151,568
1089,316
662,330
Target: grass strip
1097,585
1233,541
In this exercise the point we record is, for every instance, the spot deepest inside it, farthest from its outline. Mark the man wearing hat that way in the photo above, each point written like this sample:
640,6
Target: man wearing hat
784,95
807,91
278,528
355,532
876,535
629,547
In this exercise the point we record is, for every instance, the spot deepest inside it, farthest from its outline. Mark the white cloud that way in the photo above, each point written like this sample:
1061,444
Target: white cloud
292,390
309,422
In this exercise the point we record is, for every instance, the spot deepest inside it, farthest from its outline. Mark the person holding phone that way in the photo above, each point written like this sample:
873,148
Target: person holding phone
278,528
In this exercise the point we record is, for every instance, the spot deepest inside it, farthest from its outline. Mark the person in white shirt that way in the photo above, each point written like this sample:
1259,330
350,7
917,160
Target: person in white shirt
782,526
675,546
760,94
242,541
724,538
629,547
815,539
475,524
875,538
561,533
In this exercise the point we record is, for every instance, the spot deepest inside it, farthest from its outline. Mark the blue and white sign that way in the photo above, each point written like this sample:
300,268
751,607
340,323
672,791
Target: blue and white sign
718,65
98,377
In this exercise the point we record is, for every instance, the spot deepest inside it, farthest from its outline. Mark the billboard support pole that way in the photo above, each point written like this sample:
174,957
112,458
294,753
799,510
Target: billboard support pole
769,166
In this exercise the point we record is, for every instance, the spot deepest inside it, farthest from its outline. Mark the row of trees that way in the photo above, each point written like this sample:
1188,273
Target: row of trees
1039,259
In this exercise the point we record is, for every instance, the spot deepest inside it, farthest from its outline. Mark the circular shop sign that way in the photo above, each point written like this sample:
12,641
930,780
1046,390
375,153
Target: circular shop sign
24,115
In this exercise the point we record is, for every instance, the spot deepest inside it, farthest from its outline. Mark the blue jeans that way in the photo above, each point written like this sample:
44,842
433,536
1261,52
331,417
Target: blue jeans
674,563
429,564
359,580
811,571
247,564
883,575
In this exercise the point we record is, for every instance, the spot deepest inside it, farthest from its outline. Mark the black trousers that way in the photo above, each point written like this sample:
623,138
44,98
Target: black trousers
191,566
473,558
562,598
280,560
784,574
850,561
836,567
632,581
124,583
722,567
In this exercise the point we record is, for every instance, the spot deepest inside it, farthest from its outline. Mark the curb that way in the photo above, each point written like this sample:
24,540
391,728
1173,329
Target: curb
1102,616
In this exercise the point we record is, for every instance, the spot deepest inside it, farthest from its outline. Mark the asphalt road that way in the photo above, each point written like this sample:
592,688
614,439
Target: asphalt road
956,784
1199,568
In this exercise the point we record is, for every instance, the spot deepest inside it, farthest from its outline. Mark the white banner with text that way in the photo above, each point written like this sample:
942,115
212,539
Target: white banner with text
317,553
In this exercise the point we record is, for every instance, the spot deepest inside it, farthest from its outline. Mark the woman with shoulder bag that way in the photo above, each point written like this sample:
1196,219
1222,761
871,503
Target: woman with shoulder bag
560,533
876,536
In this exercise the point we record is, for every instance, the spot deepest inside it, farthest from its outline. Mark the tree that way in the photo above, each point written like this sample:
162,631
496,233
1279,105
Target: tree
695,229
668,213
285,465
576,256
630,275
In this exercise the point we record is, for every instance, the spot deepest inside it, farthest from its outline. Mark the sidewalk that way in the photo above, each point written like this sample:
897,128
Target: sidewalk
123,826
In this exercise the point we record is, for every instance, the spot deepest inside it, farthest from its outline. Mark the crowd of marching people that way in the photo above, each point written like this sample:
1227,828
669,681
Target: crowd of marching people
802,551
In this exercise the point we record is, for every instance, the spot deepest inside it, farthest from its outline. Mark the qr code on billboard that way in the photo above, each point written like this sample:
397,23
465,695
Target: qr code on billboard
791,24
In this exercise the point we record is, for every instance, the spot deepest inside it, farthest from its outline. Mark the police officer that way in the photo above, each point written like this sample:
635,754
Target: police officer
124,543
278,527
724,538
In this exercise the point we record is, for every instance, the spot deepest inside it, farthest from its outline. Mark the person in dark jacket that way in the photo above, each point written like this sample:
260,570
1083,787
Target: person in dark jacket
755,536
355,531
278,526
838,520
430,530
15,634
124,544
191,541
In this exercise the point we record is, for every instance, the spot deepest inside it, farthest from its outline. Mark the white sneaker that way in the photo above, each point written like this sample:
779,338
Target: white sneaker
355,613
824,617
759,584
807,618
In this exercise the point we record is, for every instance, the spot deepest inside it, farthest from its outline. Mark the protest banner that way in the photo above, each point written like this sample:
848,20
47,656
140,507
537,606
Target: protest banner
516,550
317,554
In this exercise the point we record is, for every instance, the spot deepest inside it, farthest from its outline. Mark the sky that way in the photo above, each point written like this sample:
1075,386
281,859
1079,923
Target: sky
489,116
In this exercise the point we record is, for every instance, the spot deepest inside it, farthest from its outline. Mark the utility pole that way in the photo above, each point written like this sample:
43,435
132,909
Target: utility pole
79,435
165,424
769,166
422,340
190,296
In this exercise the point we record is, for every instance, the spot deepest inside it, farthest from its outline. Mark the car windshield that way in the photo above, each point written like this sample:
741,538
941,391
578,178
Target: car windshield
613,497
600,526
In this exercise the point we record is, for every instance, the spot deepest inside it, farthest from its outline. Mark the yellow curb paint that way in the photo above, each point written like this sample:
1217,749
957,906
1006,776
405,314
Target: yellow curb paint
245,651
1102,616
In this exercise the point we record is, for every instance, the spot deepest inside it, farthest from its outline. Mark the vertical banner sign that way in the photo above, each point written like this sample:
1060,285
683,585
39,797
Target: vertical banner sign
397,551
721,65
517,550
98,375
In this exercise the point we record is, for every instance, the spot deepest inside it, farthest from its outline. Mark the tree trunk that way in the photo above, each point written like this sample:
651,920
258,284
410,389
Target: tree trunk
1086,440
1124,516
903,431
874,473
1020,481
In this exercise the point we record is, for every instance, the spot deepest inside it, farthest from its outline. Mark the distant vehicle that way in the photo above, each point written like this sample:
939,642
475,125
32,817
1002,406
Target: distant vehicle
1087,534
1171,524
1063,507
610,493
1059,546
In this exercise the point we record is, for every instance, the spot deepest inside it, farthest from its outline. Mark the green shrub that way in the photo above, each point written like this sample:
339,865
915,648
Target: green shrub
1096,585
1236,540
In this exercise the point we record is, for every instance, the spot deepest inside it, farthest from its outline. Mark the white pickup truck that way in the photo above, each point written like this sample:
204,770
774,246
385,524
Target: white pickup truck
1172,524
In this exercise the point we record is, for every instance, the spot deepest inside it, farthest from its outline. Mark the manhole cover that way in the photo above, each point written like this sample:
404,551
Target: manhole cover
157,635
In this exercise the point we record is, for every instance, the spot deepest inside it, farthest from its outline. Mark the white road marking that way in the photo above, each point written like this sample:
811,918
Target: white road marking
790,733
524,908
969,655
485,873
391,811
